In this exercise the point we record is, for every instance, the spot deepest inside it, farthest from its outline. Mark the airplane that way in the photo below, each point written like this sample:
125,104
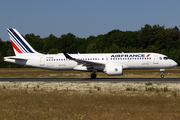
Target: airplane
111,64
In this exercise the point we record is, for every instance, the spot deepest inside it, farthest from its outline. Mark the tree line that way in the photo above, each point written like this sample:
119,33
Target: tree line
148,39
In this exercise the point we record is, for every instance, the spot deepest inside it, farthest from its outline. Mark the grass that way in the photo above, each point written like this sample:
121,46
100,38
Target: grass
70,105
40,73
130,89
99,101
148,83
86,101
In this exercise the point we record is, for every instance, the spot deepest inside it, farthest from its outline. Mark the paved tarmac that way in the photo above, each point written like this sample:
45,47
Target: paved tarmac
92,80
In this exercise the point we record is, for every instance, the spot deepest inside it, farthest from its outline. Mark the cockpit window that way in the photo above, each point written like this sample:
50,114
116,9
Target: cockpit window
166,58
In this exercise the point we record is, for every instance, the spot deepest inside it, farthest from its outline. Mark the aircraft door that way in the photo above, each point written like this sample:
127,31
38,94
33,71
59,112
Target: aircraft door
42,61
155,59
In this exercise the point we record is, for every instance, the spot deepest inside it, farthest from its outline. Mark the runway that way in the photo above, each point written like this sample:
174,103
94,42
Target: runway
90,80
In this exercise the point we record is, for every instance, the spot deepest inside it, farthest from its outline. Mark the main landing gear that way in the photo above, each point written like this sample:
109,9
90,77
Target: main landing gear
93,75
162,76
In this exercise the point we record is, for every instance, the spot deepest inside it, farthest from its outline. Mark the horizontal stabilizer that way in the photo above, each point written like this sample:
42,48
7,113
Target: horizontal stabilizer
16,58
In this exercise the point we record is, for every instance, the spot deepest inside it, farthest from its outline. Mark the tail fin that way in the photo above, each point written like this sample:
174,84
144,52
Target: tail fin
20,45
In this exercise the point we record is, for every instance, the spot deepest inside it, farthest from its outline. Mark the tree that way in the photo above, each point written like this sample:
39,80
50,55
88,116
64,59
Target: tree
50,43
114,48
53,51
149,39
91,48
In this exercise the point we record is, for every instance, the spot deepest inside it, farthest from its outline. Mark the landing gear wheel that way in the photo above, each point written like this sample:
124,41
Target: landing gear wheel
162,76
93,76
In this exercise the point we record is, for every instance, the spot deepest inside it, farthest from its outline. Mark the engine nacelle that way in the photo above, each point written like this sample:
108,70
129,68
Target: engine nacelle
113,69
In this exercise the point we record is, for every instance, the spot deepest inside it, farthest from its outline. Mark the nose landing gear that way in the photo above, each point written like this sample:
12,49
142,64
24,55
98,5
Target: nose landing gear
162,76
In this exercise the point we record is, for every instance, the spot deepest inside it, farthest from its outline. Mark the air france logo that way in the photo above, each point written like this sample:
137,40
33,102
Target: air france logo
130,55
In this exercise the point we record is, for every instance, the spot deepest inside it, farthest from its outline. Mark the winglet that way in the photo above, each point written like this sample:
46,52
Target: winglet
74,52
66,55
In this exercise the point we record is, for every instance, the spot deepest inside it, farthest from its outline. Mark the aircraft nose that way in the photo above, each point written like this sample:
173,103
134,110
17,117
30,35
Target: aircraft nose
174,63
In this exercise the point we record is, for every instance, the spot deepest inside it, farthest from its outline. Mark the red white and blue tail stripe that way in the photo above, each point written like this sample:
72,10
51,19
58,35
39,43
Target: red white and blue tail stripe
19,44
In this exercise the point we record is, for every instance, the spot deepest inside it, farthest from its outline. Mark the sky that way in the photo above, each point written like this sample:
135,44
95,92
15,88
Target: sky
85,17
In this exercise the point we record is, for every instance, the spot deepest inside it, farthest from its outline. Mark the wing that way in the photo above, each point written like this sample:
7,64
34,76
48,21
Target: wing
90,64
84,62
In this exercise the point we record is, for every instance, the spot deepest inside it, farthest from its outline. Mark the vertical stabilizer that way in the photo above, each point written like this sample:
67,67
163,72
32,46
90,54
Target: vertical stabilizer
20,45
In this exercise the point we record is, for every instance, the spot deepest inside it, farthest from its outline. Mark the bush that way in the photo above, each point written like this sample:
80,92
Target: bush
148,84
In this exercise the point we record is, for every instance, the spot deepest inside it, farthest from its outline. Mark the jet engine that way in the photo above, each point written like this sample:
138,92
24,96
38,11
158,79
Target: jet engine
113,69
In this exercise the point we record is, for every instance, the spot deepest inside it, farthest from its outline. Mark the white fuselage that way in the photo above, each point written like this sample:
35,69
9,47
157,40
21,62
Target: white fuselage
127,60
